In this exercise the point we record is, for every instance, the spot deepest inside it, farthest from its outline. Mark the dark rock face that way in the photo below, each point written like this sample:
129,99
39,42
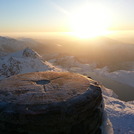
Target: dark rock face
12,69
30,53
70,104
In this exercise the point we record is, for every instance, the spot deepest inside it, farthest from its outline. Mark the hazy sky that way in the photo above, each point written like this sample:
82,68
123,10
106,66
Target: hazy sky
53,15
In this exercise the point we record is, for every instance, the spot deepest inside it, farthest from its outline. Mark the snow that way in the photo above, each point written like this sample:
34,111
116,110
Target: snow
71,64
23,61
121,115
122,76
106,127
118,114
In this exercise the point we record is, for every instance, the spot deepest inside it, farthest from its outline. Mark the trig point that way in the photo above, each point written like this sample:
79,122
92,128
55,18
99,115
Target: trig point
50,103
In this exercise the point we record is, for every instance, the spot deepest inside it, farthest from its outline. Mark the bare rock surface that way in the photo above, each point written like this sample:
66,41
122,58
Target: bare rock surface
50,103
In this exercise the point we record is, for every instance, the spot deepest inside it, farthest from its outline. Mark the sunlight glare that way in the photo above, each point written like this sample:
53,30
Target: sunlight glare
90,21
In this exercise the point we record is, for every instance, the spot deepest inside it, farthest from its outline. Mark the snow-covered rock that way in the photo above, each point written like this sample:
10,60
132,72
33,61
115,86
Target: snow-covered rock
23,61
30,53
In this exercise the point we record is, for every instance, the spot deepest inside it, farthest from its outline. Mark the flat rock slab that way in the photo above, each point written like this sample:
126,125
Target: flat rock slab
50,103
43,87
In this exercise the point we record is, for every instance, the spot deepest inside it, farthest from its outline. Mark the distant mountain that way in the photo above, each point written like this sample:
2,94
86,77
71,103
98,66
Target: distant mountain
66,61
8,44
71,63
23,61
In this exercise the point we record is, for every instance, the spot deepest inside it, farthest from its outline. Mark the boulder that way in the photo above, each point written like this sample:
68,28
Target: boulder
50,103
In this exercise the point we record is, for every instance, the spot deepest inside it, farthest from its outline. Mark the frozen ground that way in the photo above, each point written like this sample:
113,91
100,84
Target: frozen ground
120,113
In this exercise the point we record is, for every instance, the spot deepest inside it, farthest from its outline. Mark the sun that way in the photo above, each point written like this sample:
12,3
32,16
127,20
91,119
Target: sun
90,21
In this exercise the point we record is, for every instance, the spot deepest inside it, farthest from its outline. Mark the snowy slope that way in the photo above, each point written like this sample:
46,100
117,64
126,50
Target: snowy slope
71,64
23,61
120,113
122,76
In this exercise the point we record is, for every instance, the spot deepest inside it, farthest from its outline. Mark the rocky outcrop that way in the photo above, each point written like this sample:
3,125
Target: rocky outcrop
12,68
50,103
30,53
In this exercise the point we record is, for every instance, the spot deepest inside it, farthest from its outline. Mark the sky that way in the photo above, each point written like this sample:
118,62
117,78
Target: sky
54,15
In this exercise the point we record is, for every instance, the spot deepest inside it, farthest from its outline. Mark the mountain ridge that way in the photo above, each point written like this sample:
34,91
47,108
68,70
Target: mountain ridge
23,61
